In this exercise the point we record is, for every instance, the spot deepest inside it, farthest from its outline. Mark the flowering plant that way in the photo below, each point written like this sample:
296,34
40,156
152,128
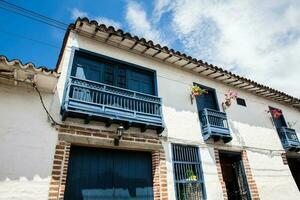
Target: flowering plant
229,96
197,91
276,113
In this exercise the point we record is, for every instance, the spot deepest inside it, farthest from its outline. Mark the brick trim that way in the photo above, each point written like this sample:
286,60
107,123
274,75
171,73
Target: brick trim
62,153
159,169
219,170
251,182
59,170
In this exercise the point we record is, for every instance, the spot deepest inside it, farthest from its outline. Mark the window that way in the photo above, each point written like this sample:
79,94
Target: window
112,72
279,120
241,102
187,172
207,100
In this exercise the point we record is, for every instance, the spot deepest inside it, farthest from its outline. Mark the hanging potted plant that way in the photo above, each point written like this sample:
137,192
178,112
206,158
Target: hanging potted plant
229,97
276,113
197,91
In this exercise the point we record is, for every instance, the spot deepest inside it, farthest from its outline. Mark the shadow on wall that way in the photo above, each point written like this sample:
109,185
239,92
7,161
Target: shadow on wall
235,131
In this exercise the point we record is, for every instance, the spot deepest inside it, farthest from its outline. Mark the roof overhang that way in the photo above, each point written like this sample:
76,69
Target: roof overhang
14,71
108,35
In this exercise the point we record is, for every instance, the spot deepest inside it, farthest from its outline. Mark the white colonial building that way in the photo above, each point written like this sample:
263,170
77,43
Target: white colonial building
123,118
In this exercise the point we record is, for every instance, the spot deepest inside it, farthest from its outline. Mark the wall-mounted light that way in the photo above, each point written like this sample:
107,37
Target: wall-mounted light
120,131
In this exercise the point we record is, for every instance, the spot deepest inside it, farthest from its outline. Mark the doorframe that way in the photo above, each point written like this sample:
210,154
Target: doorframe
248,172
91,137
286,125
214,92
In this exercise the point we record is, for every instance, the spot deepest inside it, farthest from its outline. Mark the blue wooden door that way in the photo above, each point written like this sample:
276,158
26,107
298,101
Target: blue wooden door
103,174
88,69
140,82
208,100
280,121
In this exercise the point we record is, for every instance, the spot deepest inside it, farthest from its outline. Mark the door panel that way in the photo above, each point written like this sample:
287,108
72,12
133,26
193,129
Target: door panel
121,77
86,68
280,121
109,74
207,100
105,174
141,82
241,180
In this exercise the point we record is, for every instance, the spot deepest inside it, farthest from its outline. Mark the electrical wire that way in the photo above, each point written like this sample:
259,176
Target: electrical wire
32,15
270,152
34,86
53,122
63,26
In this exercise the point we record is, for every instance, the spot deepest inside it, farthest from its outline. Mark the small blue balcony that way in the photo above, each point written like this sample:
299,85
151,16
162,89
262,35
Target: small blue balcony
214,125
97,101
289,139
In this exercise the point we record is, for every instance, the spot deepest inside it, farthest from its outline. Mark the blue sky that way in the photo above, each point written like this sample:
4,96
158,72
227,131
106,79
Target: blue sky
259,39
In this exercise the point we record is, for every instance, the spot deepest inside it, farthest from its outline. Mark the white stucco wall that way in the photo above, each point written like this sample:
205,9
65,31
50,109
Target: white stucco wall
250,126
27,144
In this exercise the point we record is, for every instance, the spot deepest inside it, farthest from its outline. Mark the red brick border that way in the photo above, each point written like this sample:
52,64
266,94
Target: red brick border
250,180
62,153
219,170
159,169
59,170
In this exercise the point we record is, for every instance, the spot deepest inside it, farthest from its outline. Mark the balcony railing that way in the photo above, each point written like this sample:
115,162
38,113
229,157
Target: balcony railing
214,125
97,100
289,139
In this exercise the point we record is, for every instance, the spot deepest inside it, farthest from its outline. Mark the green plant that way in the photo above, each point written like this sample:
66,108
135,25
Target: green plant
190,172
197,91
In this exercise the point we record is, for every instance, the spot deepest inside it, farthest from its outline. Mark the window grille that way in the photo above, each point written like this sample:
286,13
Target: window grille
187,173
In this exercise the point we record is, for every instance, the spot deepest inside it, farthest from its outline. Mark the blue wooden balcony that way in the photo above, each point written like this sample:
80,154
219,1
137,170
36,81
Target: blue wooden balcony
214,125
289,139
97,101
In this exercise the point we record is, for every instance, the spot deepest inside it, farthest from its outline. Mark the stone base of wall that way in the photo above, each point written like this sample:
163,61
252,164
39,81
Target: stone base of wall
251,181
72,135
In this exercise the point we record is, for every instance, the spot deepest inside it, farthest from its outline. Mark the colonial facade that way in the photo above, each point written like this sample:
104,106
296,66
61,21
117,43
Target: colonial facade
123,118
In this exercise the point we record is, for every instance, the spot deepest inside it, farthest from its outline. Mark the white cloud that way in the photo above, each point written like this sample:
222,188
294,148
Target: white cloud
161,7
259,39
75,13
140,25
108,22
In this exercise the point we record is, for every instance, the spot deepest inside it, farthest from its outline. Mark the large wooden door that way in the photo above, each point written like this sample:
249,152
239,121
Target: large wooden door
104,174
